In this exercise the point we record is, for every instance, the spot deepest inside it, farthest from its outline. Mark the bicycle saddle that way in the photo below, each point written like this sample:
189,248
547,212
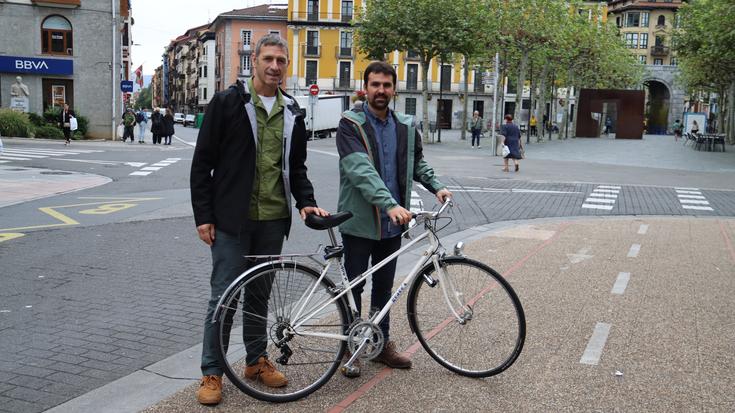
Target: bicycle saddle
314,221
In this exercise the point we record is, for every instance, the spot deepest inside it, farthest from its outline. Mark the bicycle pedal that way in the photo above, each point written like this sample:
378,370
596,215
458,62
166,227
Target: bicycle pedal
350,372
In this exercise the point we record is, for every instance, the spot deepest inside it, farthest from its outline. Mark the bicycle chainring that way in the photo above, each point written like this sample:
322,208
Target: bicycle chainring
366,330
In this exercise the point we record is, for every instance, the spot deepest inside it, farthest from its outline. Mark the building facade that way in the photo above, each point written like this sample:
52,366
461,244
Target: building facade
205,68
67,51
647,29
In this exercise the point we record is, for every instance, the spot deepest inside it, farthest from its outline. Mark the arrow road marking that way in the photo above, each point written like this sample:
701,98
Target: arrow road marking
580,256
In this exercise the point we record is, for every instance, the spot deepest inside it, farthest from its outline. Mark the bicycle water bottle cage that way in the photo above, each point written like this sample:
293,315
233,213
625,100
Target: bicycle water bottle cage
318,223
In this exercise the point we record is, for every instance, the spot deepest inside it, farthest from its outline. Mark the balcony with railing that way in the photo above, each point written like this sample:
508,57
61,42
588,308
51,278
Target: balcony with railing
343,52
659,51
244,48
312,51
342,83
306,16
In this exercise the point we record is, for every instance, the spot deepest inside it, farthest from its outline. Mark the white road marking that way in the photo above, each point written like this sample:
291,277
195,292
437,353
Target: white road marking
593,352
27,155
4,161
691,196
643,229
604,195
689,189
698,208
580,256
608,186
324,152
161,164
11,158
694,201
621,283
606,191
600,200
634,250
150,168
681,191
591,206
139,173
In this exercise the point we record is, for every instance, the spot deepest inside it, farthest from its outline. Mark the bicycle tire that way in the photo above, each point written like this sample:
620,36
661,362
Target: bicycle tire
490,341
281,287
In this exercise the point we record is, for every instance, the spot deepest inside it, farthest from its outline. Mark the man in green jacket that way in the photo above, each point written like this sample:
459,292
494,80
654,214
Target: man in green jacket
380,156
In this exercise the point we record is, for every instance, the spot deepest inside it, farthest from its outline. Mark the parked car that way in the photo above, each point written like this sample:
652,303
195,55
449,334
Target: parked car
178,118
189,120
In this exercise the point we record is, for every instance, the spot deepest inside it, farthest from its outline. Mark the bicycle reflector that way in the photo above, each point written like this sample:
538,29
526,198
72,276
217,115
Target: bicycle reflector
459,249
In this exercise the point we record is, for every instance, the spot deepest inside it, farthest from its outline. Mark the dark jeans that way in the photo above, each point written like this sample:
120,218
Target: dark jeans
476,135
128,133
358,251
256,238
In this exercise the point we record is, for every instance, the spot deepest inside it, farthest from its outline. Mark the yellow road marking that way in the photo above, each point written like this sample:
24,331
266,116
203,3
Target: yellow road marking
107,209
10,235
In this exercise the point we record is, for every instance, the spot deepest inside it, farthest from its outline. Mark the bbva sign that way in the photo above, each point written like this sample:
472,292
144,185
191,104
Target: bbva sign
36,66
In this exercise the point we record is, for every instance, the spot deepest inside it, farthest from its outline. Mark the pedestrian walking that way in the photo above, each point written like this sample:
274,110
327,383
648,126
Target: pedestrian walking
156,125
532,122
128,125
695,127
678,128
168,126
243,175
380,155
65,123
513,141
142,120
608,125
476,128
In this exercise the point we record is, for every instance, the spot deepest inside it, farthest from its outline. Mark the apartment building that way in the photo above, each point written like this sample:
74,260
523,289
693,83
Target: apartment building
67,51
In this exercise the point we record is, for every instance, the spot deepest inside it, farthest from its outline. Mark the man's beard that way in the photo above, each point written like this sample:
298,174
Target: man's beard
382,105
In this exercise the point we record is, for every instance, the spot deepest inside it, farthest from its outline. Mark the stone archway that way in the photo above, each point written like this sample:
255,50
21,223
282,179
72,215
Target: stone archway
666,76
658,105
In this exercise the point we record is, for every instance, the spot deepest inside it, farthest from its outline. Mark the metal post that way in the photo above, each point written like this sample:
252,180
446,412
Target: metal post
530,105
441,78
312,101
495,104
112,69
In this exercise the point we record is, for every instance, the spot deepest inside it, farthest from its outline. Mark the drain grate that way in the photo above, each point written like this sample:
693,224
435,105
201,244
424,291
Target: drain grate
55,173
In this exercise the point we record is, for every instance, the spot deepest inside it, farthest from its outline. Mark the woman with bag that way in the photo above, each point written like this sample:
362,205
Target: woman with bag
476,128
512,142
156,125
65,121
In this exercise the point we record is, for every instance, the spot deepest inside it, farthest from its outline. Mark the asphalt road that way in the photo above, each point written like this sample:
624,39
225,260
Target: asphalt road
103,282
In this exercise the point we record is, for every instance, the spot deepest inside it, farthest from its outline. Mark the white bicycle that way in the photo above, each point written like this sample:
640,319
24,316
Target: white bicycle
464,314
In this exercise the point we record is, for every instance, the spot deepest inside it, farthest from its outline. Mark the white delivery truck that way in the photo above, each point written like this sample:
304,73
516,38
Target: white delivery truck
327,113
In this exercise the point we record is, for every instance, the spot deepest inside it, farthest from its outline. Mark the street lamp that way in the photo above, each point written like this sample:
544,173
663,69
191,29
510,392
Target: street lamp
395,90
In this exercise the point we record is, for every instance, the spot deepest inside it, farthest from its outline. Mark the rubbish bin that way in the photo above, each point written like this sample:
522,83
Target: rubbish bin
198,121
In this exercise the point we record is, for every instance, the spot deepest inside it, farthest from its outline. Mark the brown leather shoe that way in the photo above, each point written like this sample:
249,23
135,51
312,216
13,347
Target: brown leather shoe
210,390
391,358
356,367
266,372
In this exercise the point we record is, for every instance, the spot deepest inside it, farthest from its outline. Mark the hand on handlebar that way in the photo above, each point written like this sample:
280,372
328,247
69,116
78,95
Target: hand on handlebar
399,215
443,195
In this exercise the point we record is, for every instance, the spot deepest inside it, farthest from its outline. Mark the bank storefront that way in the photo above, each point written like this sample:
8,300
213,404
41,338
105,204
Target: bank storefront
55,77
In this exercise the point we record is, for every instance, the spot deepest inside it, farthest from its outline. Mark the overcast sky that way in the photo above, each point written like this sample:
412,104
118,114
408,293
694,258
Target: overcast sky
160,21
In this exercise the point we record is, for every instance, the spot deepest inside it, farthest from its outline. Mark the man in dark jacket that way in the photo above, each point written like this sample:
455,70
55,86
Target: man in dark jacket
247,164
380,155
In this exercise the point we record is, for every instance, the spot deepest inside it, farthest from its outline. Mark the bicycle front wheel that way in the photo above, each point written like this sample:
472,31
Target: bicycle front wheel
275,313
468,318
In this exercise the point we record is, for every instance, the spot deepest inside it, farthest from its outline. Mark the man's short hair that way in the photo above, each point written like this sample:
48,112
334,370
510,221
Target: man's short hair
380,67
271,39
509,117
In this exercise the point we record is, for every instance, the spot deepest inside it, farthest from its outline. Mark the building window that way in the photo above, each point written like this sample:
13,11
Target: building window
345,44
631,40
661,21
644,40
312,43
411,106
247,37
632,19
245,65
347,10
205,93
644,19
277,32
674,62
446,77
311,72
56,36
479,87
205,71
345,74
412,55
412,76
312,10
642,59
658,62
677,21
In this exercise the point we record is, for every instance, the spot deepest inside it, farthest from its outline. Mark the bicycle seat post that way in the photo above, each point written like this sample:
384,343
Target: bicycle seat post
332,237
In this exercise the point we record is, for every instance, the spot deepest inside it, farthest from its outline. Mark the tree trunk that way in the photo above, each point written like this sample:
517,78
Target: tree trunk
425,99
563,128
500,112
463,135
575,112
519,87
731,113
542,99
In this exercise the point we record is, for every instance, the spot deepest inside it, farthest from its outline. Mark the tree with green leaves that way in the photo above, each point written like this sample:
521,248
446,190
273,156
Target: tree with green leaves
705,46
145,98
431,28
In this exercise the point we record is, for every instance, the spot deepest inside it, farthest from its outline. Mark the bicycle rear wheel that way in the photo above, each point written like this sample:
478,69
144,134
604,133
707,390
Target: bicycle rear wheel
268,313
490,335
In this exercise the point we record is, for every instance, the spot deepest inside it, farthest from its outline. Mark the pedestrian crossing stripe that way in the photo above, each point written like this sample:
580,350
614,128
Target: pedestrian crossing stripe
692,198
30,154
602,197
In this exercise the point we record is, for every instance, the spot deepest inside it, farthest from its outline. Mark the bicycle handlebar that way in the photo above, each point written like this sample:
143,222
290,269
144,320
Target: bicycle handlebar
433,214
